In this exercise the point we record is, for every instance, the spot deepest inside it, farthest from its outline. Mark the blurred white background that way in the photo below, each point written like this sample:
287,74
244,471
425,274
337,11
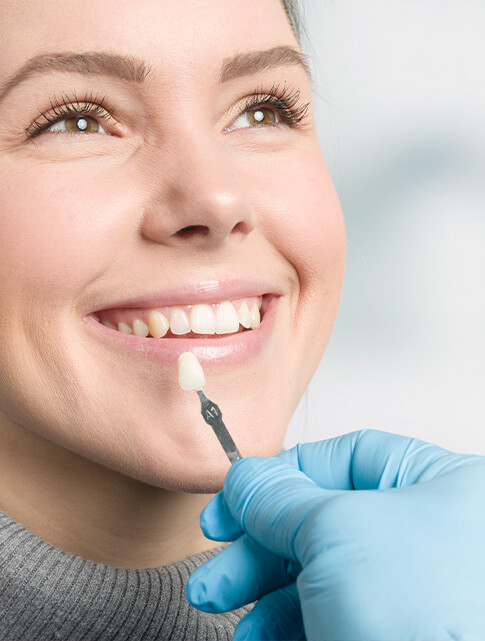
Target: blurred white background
400,104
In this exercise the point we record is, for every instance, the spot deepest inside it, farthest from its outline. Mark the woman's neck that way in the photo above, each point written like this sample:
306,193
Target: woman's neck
94,512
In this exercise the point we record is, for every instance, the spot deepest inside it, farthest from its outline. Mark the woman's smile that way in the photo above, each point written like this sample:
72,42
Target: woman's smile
194,319
215,325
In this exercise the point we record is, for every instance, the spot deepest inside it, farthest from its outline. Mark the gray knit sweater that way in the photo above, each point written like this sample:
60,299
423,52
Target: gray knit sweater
47,594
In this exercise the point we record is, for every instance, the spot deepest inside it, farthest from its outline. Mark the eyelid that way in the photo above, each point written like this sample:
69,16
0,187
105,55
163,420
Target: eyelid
285,102
70,107
246,110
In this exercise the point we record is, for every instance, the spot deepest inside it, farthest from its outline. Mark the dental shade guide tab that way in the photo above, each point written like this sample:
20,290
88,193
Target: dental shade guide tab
191,378
191,374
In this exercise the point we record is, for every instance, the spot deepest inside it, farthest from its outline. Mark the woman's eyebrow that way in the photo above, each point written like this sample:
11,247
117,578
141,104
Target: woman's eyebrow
99,63
135,70
245,64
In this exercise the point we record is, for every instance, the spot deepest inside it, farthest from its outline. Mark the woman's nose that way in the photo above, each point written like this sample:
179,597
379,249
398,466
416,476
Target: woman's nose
198,200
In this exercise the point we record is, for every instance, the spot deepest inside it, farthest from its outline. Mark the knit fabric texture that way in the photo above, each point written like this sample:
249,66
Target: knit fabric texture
47,594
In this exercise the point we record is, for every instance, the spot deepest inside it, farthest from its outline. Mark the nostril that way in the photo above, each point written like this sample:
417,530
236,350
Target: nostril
193,229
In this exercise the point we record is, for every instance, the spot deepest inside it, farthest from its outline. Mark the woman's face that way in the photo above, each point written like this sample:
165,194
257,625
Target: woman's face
127,189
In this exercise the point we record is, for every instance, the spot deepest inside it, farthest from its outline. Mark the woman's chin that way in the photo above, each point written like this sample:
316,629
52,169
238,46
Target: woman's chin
201,471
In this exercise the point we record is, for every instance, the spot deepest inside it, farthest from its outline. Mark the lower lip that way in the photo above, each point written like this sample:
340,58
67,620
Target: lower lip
233,349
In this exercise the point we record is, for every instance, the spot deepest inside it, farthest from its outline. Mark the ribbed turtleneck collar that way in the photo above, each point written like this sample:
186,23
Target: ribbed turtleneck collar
47,594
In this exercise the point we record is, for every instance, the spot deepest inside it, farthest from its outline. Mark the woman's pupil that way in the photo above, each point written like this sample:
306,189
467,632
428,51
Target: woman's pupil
82,124
260,114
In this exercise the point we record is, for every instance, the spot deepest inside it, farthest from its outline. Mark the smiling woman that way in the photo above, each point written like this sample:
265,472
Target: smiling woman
160,193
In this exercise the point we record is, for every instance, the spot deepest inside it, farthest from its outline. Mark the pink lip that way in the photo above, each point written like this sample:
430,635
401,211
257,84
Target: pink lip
210,291
230,350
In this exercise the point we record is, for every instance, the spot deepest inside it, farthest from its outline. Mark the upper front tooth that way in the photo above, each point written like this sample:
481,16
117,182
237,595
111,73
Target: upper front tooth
108,324
123,327
157,323
140,328
202,319
179,322
227,321
255,317
244,315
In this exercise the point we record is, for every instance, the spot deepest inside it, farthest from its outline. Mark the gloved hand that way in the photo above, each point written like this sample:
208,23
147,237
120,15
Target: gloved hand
368,536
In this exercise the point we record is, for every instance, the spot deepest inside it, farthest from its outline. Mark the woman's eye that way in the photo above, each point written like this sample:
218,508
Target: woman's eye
254,117
77,124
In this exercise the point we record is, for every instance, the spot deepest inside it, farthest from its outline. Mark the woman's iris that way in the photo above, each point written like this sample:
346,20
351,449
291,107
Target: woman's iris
258,116
82,124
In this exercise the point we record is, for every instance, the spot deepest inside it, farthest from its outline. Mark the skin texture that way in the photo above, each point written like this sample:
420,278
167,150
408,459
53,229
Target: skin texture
101,453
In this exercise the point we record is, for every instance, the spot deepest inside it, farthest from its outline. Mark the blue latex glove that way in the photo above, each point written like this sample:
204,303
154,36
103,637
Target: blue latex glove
384,534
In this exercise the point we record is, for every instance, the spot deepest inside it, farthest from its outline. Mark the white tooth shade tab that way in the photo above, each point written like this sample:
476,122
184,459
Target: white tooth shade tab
202,319
179,322
157,323
140,328
191,375
227,320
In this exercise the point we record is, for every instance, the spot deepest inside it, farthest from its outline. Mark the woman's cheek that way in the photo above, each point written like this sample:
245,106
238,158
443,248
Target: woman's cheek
318,250
301,216
302,219
56,225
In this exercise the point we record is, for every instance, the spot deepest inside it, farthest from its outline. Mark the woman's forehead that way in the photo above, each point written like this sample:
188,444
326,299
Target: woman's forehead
185,35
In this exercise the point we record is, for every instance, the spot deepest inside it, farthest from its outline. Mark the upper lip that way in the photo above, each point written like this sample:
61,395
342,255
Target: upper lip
204,291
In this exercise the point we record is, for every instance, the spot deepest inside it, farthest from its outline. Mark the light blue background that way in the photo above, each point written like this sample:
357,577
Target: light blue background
400,105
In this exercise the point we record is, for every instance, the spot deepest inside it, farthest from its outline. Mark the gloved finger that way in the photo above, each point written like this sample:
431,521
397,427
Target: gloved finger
217,522
370,459
367,459
238,575
273,502
275,617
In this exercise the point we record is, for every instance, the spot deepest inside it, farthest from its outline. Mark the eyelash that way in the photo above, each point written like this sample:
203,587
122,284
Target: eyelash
70,107
285,100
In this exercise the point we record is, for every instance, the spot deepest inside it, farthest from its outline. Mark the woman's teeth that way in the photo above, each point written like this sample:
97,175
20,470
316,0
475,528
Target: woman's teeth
227,317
